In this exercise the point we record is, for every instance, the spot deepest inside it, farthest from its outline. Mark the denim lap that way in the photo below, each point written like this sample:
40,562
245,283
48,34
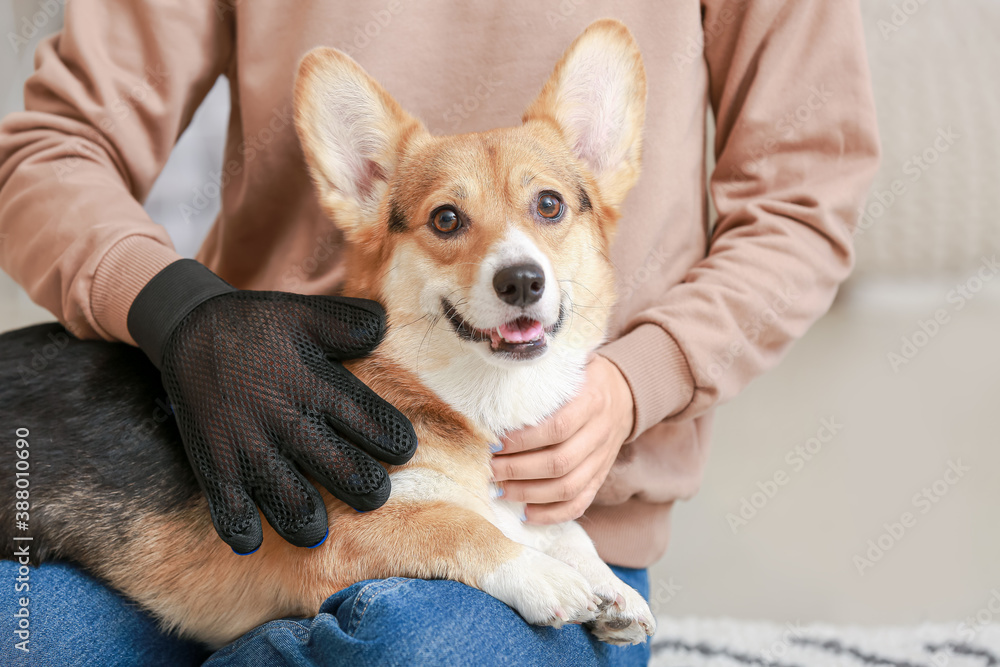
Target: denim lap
402,621
76,620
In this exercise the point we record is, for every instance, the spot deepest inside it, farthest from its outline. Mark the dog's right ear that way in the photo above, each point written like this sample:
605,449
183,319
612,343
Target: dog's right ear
352,132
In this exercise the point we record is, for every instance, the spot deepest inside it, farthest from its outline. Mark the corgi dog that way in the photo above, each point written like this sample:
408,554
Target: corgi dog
489,252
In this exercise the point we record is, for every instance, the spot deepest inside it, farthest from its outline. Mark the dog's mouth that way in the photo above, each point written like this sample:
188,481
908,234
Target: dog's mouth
520,339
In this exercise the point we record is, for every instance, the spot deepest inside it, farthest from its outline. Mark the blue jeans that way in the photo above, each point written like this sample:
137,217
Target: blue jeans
75,620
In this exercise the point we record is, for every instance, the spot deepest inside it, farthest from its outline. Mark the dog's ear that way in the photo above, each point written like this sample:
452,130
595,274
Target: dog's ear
597,98
352,132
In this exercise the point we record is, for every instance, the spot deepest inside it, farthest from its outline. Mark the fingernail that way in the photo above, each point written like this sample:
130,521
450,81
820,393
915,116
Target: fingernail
496,447
500,491
524,516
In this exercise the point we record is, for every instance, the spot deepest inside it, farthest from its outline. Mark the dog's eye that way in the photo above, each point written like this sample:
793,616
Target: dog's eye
550,206
446,220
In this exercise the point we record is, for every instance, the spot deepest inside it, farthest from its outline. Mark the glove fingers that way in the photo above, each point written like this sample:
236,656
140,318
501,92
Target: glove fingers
234,515
350,474
347,328
365,419
246,472
290,503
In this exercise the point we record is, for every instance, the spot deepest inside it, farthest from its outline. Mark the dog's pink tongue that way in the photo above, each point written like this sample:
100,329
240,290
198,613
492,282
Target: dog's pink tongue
521,330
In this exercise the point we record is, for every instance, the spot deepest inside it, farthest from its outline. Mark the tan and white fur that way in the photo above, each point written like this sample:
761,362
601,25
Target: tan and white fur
379,176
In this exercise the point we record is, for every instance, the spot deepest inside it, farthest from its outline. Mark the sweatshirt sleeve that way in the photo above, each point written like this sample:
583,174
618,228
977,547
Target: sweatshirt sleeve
796,150
110,96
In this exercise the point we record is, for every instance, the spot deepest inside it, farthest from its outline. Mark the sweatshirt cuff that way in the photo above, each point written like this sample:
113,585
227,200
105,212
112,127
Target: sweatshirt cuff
121,275
656,371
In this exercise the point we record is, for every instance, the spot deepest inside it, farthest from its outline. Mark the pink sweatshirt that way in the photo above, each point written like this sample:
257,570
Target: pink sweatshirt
701,311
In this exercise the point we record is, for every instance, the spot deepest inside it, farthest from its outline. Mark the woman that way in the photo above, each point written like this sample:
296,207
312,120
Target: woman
700,313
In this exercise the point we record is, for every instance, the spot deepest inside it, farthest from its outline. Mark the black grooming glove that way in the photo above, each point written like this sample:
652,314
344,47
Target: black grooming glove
261,397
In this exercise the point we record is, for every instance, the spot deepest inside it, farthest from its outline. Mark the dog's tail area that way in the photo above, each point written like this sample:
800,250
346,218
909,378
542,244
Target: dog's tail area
88,446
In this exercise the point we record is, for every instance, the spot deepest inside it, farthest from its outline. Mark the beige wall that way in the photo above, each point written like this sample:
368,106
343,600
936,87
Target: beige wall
16,308
795,558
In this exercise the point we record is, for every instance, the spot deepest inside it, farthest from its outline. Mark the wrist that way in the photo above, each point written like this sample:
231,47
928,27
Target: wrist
657,373
622,399
120,275
167,299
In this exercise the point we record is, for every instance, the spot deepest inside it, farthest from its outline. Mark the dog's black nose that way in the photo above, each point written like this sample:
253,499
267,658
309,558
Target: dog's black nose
520,285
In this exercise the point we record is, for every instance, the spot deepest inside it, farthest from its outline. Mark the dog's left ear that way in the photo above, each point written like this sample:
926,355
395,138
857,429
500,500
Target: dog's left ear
352,132
597,98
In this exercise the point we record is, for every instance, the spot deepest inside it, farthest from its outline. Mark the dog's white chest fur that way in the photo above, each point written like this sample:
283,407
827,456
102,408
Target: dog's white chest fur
498,399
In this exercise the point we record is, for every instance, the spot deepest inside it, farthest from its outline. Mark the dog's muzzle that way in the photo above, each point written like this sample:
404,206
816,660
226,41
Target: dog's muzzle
520,339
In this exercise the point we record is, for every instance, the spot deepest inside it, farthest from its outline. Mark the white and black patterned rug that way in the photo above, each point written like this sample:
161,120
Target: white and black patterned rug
728,643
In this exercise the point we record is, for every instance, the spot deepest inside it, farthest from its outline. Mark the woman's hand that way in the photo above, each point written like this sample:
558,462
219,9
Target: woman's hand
558,466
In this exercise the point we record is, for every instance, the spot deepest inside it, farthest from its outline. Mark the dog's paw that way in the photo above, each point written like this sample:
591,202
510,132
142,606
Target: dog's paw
623,616
543,590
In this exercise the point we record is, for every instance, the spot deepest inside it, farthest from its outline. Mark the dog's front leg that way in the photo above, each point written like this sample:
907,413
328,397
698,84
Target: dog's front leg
624,616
